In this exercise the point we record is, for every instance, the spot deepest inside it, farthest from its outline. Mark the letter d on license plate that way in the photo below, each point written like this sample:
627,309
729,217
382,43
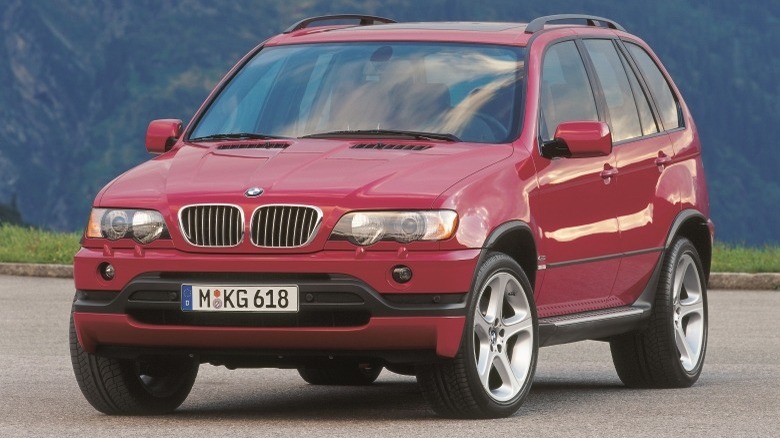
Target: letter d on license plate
216,298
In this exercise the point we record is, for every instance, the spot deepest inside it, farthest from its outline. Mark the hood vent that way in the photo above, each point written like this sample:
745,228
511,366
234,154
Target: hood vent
394,147
264,145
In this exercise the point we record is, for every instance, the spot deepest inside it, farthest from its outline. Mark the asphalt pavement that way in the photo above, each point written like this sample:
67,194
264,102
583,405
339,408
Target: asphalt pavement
576,391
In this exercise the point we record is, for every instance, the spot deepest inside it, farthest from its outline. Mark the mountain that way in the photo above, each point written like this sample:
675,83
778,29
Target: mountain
80,80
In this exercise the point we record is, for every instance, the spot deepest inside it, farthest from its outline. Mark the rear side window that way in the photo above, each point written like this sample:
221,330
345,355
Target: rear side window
623,115
667,103
566,93
649,125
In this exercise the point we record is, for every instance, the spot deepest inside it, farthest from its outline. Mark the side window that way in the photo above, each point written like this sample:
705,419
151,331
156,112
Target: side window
649,126
664,98
566,93
623,115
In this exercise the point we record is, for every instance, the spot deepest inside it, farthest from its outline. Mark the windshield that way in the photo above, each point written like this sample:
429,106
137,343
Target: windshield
469,92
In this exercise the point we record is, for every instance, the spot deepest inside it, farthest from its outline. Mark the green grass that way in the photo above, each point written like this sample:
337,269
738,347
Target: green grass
30,245
737,258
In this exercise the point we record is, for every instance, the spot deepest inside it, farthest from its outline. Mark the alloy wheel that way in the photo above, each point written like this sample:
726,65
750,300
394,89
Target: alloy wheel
503,337
688,315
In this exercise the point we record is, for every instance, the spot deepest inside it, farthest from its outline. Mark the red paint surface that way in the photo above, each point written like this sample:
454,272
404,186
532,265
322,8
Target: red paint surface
441,334
598,223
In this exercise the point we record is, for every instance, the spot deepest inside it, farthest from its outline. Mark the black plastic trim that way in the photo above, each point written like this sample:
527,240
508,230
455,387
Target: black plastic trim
682,218
598,98
591,20
602,258
667,78
552,333
365,20
595,83
241,358
497,235
318,293
503,229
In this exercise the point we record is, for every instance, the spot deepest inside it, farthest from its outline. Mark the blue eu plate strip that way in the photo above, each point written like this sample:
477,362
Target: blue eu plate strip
186,297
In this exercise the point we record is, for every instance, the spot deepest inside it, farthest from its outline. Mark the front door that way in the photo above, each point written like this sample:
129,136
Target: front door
573,205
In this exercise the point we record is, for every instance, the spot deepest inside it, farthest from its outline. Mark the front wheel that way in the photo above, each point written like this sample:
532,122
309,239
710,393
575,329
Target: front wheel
493,371
669,353
152,386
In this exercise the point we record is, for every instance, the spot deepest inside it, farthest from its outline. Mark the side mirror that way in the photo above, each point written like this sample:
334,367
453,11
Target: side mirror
579,140
162,134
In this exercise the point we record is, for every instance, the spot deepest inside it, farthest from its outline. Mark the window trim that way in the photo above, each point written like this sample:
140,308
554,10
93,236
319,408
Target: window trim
597,95
520,91
600,86
665,76
628,66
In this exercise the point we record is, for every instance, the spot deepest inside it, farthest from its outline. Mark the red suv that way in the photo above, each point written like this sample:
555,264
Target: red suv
437,199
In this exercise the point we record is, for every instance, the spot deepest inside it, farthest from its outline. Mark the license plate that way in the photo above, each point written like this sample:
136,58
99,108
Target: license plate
216,298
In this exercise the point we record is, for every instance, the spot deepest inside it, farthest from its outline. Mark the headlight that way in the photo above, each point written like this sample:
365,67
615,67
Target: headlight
367,228
144,226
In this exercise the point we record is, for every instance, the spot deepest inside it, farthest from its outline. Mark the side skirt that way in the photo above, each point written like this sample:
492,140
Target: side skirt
601,324
595,325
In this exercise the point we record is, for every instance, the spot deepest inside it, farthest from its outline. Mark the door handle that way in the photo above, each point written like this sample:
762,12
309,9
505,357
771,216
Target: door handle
608,172
662,160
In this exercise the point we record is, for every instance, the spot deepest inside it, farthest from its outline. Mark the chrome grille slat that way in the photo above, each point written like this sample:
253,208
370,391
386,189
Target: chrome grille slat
212,225
202,228
208,227
273,227
295,233
284,226
267,231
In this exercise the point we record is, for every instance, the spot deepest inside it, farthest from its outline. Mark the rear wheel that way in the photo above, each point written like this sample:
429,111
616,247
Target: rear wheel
358,374
669,353
493,371
152,386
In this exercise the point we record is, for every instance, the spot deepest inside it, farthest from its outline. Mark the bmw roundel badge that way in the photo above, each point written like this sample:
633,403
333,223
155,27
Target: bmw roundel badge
253,192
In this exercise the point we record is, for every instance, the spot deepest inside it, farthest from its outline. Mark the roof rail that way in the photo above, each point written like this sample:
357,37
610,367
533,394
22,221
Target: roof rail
365,20
538,24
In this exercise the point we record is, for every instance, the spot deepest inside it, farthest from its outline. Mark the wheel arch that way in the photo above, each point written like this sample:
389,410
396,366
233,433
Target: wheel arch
692,225
515,239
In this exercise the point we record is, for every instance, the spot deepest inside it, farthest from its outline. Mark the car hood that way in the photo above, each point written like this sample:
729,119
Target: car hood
335,173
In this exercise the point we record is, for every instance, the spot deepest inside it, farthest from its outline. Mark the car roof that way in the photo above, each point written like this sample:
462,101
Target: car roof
477,32
382,29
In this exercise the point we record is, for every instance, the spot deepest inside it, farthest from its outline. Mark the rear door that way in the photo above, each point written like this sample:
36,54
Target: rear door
644,203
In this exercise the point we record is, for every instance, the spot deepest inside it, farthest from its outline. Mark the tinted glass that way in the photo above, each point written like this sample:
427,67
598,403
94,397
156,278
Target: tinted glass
649,126
664,98
566,92
623,115
471,91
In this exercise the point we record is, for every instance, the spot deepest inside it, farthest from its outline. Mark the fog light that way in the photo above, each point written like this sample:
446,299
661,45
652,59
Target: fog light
107,271
402,274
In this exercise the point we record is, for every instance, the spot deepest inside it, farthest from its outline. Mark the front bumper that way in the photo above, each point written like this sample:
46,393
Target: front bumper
338,312
439,334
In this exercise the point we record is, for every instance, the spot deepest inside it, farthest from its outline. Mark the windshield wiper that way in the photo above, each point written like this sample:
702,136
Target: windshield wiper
384,133
238,136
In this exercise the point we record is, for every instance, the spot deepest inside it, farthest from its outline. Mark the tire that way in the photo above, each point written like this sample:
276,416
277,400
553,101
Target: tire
132,387
669,352
358,374
493,371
